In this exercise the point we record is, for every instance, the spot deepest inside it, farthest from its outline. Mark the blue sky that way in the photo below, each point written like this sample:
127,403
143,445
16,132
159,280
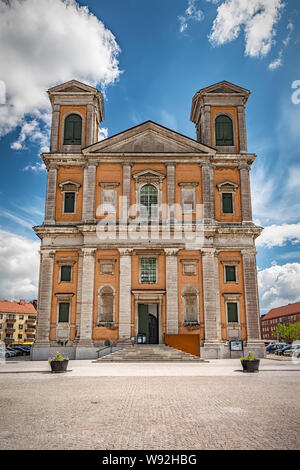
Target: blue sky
150,58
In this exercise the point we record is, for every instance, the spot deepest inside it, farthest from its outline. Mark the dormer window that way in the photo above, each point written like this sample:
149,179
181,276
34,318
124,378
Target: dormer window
224,131
73,130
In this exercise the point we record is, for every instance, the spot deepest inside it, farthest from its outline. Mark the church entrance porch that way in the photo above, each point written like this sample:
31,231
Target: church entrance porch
148,322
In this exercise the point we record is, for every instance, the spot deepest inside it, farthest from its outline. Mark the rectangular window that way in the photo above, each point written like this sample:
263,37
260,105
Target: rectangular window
148,270
69,205
20,336
20,327
227,203
63,313
21,317
230,273
65,273
0,326
232,312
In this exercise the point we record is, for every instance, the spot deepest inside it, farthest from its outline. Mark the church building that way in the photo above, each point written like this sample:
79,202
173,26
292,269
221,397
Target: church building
148,234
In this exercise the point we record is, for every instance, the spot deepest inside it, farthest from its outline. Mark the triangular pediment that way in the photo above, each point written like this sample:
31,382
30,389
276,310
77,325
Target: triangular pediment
149,137
72,86
224,87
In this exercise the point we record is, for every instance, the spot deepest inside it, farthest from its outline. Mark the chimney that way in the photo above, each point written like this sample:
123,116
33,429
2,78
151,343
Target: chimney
22,302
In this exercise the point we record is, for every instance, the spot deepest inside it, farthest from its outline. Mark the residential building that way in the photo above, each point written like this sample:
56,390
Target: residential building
17,322
285,315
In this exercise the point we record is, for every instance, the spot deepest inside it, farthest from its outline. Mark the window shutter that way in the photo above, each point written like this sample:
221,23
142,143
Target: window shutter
63,315
224,131
227,203
230,273
69,202
232,313
65,274
73,130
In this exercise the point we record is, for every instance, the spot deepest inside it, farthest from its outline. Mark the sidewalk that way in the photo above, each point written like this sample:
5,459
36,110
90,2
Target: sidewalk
213,368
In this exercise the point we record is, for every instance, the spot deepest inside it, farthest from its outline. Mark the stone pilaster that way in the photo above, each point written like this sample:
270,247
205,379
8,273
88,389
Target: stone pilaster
54,128
79,296
211,300
87,297
206,126
208,194
44,299
171,290
251,295
245,192
90,125
89,186
126,189
125,293
51,195
242,129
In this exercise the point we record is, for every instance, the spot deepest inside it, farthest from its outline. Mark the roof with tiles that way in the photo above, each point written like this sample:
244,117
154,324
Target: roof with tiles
290,309
7,306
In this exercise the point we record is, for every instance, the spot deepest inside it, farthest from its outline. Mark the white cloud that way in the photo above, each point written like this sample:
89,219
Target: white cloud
192,13
277,62
258,19
279,235
102,133
279,285
19,260
37,167
46,42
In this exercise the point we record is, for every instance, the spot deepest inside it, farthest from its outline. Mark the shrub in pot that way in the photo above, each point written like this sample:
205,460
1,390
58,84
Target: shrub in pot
59,363
250,363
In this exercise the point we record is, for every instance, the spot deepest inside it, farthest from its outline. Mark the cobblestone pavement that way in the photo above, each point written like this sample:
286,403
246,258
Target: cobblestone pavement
233,411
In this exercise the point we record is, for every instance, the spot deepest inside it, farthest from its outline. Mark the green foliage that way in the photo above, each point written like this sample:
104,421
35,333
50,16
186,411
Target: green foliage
250,357
288,333
58,357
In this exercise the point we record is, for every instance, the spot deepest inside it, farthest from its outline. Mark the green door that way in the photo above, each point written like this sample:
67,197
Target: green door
143,320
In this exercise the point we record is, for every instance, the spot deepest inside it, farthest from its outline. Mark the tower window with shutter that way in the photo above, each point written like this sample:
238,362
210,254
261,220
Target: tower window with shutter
69,205
73,130
63,312
227,203
224,131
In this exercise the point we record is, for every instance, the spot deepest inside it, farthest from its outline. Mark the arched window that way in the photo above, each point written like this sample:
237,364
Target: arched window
106,305
190,305
148,200
224,130
73,129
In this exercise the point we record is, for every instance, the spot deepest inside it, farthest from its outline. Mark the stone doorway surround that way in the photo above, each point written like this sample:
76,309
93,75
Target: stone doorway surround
149,297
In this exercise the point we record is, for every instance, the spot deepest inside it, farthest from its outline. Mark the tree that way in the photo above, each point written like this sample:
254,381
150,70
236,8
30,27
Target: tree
289,332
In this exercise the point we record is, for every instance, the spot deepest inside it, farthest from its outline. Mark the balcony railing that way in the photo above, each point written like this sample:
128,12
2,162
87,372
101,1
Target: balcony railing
10,330
30,330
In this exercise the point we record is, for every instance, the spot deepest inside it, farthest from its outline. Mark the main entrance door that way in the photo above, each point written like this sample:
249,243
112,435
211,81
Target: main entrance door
148,322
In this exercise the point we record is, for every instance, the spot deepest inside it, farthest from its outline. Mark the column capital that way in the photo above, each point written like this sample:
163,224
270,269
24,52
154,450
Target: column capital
209,252
52,166
127,164
244,166
249,252
47,253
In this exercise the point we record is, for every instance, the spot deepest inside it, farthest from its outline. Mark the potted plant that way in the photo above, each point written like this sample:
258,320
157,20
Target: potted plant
250,363
58,363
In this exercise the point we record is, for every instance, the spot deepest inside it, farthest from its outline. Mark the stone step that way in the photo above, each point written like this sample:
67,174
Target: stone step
146,353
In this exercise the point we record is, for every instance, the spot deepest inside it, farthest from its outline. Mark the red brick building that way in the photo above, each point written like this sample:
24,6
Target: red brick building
287,314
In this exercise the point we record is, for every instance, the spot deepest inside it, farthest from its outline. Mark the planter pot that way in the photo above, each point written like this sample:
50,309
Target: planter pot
250,366
59,366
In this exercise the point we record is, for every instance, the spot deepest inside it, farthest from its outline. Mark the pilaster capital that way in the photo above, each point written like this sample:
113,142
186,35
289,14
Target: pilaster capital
47,254
250,252
125,251
171,251
88,251
209,252
171,164
127,164
244,166
206,163
52,166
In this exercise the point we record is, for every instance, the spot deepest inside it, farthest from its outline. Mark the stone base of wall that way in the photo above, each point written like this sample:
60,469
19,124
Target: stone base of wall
43,353
213,350
257,347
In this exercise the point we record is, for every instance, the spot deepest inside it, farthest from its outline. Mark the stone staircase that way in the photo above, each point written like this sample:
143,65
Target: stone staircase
149,353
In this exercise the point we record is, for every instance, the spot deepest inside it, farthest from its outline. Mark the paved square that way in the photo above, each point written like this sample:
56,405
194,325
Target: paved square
150,406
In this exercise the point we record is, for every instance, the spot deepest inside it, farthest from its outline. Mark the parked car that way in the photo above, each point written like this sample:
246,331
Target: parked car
292,350
280,350
16,351
272,348
9,353
22,350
